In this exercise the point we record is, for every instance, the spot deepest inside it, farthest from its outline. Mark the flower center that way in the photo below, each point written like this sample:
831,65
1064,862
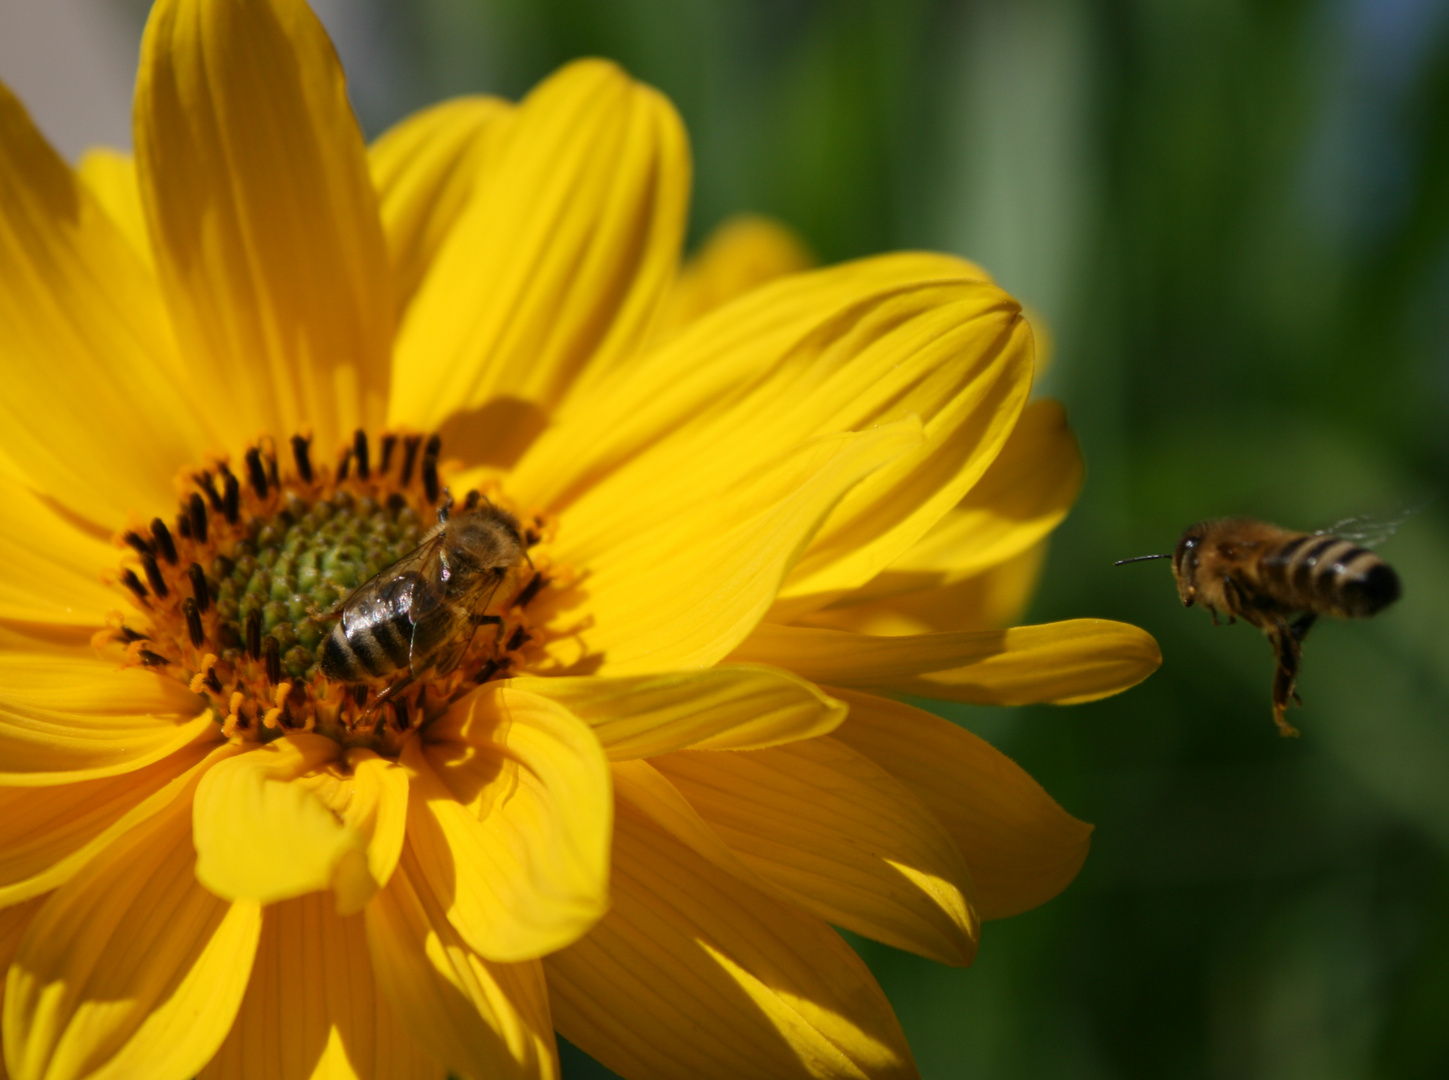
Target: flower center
355,600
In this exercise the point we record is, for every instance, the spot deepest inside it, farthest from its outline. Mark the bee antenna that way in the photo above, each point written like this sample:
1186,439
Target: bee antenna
1140,558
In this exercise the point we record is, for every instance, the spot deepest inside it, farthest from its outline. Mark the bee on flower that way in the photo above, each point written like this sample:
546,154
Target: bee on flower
268,814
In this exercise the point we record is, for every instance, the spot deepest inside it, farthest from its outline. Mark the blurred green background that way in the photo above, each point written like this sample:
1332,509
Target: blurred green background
1234,218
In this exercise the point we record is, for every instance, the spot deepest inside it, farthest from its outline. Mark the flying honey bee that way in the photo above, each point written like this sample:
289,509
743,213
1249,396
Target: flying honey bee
1281,581
418,616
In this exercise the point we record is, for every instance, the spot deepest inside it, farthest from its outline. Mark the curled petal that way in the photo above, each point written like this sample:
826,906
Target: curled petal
287,819
375,803
509,816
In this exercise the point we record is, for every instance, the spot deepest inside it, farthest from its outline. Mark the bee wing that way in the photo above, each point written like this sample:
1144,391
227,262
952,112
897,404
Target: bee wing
442,635
1367,530
393,589
439,638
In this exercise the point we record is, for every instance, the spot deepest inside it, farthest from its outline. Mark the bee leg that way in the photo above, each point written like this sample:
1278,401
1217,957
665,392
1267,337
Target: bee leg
1299,629
384,695
1233,594
1286,648
490,620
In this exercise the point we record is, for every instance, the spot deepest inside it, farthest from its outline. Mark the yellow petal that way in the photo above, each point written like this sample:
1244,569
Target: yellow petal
374,801
50,569
131,968
841,837
424,169
740,707
683,591
974,376
47,834
261,836
1021,846
1021,498
93,411
850,348
14,921
647,792
1062,662
288,819
743,253
263,218
695,973
480,1018
835,350
313,1009
509,816
879,908
111,177
994,598
67,715
562,256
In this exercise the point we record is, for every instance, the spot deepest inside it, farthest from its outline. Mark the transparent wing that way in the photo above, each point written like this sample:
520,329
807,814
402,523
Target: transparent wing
420,564
1367,530
442,633
438,641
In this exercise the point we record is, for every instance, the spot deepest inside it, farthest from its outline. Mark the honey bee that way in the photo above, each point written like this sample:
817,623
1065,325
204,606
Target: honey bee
418,616
1281,581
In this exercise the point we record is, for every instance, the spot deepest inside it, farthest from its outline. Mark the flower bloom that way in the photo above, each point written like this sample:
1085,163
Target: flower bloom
240,374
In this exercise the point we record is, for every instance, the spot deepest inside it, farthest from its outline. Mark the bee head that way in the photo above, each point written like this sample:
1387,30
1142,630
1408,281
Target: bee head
1185,560
483,539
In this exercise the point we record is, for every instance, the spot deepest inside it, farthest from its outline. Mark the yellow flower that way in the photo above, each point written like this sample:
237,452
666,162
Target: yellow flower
632,811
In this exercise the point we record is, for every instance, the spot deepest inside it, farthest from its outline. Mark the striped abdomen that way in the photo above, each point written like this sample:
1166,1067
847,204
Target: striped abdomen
373,639
369,653
1314,572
